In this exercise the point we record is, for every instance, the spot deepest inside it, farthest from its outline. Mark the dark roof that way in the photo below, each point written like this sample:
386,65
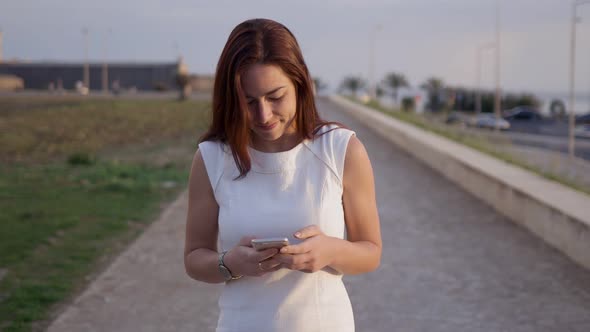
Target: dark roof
80,64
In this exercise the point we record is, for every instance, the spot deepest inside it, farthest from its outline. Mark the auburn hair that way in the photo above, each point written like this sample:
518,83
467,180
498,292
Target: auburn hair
257,41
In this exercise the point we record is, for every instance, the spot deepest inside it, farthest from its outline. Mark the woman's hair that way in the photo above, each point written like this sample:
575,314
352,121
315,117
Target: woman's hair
257,41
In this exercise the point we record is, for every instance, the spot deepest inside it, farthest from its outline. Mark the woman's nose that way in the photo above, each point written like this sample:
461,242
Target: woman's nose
263,112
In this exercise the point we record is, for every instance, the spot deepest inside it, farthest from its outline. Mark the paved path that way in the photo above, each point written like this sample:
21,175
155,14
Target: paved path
450,263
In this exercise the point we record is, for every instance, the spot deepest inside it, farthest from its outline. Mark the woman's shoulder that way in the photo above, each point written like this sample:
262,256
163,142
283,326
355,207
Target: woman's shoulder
213,146
333,136
332,129
213,152
330,144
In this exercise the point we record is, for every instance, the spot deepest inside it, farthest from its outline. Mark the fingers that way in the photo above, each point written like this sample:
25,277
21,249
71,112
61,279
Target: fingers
269,264
266,254
246,241
308,232
300,248
294,262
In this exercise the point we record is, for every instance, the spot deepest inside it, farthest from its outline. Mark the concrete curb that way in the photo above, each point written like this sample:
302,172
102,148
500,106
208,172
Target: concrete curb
557,214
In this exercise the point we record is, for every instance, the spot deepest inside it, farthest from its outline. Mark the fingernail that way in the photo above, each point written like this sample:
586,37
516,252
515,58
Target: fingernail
297,234
284,250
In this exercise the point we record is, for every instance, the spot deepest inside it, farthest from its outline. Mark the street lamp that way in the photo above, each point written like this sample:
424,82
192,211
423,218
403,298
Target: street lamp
480,50
497,99
571,143
86,66
372,84
105,66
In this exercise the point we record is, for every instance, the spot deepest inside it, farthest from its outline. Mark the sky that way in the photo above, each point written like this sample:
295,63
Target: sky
419,38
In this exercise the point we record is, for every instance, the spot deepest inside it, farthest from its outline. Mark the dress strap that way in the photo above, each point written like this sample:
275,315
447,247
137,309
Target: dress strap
214,157
330,147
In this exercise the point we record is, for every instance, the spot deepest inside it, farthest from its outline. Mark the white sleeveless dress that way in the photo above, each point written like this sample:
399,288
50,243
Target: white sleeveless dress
282,193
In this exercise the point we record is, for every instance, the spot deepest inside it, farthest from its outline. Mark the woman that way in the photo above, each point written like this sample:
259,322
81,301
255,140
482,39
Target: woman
270,166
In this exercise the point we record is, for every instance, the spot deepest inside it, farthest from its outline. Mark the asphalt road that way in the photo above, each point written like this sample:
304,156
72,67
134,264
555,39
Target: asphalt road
551,136
450,263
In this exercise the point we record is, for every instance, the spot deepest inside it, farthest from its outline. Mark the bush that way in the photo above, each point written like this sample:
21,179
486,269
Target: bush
408,104
81,159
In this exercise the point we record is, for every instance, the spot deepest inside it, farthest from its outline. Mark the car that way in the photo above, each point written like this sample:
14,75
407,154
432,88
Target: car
583,119
489,121
582,131
454,118
522,113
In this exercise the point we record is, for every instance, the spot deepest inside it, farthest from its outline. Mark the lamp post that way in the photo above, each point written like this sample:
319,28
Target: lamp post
105,66
86,66
498,97
372,84
480,50
572,121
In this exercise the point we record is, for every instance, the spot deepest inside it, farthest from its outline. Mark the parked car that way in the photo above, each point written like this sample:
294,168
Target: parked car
522,113
454,118
582,130
583,119
489,121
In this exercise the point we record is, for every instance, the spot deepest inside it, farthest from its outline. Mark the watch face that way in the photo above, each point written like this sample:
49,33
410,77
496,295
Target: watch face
225,272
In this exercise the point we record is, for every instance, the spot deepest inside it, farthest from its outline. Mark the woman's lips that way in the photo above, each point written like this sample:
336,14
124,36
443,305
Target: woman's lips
269,127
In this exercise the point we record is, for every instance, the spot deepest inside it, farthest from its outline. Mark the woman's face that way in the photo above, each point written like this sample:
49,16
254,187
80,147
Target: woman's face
272,105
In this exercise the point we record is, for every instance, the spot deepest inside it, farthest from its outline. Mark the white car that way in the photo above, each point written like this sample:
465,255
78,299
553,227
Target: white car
489,121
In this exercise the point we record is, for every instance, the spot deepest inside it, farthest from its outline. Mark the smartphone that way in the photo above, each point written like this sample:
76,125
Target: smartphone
270,242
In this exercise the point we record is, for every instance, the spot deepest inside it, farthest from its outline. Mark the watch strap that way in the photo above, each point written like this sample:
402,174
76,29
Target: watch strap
225,271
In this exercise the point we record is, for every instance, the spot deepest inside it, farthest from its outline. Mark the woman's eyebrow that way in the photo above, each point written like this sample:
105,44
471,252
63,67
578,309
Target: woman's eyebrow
270,92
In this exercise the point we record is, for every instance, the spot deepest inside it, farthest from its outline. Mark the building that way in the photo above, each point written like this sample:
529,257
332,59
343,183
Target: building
141,76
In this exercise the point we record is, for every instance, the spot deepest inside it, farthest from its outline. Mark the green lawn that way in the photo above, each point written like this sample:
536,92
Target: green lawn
62,220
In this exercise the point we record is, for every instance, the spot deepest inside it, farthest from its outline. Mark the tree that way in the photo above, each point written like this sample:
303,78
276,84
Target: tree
319,85
512,100
394,81
434,88
408,104
352,84
379,91
557,108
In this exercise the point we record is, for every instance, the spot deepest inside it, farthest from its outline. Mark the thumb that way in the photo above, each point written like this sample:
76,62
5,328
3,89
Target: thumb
307,232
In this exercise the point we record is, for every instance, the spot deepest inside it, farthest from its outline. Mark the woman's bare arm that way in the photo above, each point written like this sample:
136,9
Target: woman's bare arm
200,249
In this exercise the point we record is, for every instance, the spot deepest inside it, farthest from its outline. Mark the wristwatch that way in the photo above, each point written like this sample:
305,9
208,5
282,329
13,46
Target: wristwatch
225,272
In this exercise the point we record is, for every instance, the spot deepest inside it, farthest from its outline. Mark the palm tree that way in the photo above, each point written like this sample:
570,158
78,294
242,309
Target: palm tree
434,87
352,84
394,81
319,85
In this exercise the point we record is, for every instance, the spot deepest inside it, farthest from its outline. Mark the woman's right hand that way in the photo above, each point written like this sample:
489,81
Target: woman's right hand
247,261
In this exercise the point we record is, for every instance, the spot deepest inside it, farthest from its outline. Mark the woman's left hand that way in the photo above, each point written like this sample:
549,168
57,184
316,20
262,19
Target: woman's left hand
314,253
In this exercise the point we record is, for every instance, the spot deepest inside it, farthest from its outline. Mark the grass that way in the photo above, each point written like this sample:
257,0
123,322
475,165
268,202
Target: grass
54,127
474,142
69,210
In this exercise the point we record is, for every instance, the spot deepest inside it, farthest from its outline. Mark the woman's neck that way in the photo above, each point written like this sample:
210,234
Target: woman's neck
284,143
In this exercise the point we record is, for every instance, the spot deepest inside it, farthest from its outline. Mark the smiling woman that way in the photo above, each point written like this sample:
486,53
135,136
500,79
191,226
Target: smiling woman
270,167
271,105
